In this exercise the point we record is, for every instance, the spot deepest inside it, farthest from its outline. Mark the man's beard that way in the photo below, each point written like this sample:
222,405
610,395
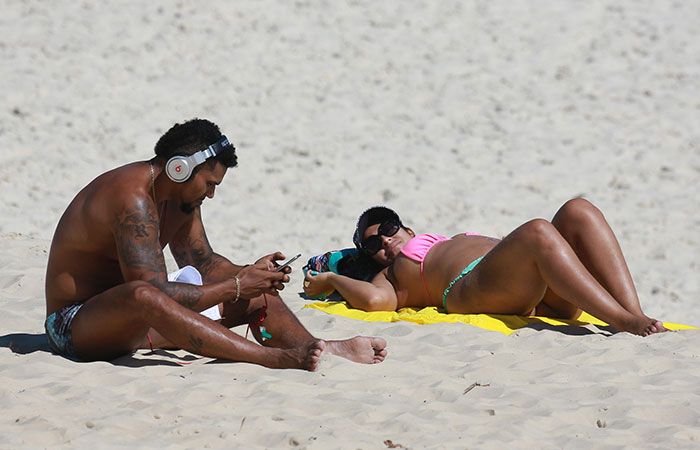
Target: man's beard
187,208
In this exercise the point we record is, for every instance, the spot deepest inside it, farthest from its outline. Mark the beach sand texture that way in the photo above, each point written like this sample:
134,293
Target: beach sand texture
463,116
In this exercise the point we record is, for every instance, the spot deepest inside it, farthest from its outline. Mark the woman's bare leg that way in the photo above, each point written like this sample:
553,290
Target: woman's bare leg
513,276
588,233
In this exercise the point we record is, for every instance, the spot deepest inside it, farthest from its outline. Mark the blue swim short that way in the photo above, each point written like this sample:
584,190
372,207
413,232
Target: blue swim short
59,329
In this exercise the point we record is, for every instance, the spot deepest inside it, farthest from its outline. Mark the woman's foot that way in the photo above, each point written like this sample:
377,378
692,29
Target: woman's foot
644,326
656,326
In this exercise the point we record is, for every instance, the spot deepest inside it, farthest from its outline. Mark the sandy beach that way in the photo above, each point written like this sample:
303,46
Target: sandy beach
463,116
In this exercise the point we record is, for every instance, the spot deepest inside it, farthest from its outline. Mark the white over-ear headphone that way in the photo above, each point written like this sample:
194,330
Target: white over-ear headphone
179,168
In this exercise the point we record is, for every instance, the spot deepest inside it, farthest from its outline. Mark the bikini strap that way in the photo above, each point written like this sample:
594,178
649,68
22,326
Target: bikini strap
422,277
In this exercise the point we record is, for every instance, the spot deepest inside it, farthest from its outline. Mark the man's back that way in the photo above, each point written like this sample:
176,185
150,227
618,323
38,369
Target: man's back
83,260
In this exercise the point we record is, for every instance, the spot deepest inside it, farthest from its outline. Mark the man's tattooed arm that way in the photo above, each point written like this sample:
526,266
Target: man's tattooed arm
191,247
140,255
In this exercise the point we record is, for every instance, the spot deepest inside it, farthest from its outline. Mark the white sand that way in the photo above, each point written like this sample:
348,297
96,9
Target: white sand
461,115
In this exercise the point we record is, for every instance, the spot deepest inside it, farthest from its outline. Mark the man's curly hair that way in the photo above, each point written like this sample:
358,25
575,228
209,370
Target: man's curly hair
192,136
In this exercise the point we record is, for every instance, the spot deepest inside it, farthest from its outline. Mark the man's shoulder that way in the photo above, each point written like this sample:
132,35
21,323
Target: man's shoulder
116,191
123,182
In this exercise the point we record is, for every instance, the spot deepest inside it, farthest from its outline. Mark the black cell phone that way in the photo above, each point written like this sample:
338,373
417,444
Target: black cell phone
288,262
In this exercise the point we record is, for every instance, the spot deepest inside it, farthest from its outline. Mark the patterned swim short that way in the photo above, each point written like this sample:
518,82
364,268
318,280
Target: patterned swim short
59,329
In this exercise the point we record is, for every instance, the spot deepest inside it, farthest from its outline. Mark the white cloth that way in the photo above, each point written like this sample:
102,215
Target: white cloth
190,275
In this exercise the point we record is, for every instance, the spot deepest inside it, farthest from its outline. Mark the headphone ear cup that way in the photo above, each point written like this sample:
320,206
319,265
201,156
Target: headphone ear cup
178,169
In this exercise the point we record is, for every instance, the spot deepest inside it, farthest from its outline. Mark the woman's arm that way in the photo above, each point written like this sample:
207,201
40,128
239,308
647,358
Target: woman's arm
379,295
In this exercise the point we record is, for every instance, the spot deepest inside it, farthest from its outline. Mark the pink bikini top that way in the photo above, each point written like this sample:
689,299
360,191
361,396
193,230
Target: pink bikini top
418,247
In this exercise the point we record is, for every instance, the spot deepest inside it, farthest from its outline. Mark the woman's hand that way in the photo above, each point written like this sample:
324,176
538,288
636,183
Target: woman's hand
319,284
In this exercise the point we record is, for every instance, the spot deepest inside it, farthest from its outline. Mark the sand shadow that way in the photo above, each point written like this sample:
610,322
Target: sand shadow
333,297
157,357
162,357
571,330
25,343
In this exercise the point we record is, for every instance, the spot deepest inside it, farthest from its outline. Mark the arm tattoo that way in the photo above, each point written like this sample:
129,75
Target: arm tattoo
138,248
136,239
194,252
192,248
198,253
187,295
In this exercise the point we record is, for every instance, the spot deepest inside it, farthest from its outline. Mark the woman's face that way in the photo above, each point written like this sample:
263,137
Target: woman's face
391,245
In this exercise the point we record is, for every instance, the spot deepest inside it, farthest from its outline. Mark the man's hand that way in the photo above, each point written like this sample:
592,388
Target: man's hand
261,278
269,262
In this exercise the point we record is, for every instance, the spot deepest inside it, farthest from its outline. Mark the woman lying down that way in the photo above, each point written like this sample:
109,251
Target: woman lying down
552,269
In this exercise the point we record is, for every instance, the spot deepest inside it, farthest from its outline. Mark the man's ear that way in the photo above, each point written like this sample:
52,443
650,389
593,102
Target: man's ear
410,231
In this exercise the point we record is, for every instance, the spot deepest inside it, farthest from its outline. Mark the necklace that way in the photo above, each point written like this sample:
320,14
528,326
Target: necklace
153,189
153,181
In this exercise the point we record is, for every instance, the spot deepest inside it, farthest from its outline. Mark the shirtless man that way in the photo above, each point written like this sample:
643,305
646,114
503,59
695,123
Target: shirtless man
107,291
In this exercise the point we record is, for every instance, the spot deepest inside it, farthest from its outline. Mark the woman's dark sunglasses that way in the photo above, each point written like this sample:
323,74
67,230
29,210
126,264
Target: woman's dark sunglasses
373,243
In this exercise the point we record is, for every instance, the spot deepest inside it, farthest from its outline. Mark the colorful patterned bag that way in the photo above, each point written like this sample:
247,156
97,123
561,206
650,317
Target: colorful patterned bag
349,262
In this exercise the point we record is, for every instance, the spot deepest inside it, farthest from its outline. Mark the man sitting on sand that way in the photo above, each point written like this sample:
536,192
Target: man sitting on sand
107,291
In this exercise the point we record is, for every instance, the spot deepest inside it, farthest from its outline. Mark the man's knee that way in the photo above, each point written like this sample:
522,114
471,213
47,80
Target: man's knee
145,295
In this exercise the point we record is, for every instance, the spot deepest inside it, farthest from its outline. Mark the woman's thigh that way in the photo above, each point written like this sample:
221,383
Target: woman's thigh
506,281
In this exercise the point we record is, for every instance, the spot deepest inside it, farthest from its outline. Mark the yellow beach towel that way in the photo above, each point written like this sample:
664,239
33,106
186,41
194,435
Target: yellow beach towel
505,324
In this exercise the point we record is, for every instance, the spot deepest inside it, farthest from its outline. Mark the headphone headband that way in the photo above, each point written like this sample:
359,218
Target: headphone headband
180,168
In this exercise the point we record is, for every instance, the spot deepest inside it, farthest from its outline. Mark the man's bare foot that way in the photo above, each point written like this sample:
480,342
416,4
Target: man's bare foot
361,349
305,357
